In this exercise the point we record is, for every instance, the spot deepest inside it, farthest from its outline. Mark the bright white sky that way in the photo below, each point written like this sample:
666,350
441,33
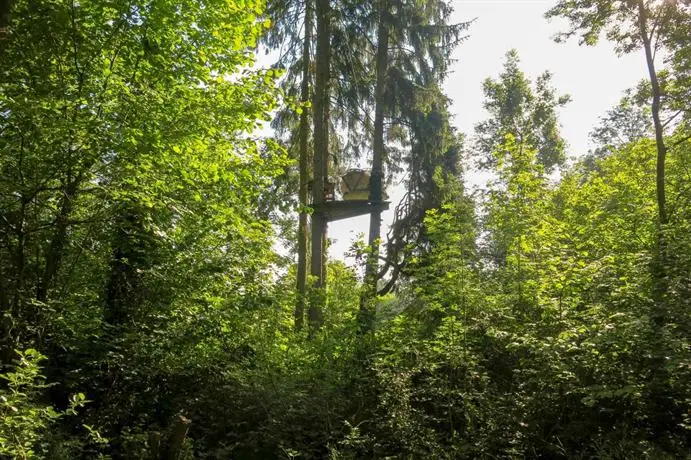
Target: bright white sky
595,77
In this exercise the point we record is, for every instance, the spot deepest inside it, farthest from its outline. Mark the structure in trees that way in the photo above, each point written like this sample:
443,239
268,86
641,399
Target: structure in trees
354,187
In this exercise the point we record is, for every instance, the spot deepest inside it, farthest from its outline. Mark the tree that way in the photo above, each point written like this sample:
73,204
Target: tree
529,115
651,26
677,82
283,15
304,164
553,353
376,179
413,47
348,90
130,184
627,122
433,160
321,155
515,205
631,25
521,142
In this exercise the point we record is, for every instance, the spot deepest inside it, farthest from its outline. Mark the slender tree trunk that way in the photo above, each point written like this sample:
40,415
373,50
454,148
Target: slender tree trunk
57,244
660,396
660,260
326,108
304,170
376,178
659,130
321,145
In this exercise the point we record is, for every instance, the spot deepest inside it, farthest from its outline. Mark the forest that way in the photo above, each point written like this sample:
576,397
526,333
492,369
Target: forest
166,205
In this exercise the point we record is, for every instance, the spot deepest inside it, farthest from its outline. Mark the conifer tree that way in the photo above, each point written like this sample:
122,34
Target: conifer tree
413,45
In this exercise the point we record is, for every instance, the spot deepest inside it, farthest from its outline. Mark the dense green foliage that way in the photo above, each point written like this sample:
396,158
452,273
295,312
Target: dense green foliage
527,114
25,422
140,280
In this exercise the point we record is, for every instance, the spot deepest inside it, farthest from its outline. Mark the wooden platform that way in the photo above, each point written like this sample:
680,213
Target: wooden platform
339,210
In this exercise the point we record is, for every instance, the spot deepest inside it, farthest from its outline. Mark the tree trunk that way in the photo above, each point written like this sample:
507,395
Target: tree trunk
376,179
660,259
57,244
659,130
659,395
177,438
321,145
304,171
155,445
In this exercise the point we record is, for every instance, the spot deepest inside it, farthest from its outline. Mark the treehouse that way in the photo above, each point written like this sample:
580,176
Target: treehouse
354,187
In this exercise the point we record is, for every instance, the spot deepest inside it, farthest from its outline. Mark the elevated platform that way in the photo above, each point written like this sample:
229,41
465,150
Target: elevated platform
345,209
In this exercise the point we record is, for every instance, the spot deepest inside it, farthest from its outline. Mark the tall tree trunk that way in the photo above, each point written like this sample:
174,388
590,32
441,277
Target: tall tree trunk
660,396
376,178
321,145
659,130
660,260
304,170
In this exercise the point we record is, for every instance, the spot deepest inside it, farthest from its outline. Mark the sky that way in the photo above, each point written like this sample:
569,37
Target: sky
594,77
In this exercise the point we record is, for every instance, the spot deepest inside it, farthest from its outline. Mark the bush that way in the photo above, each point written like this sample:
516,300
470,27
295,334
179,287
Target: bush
24,419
